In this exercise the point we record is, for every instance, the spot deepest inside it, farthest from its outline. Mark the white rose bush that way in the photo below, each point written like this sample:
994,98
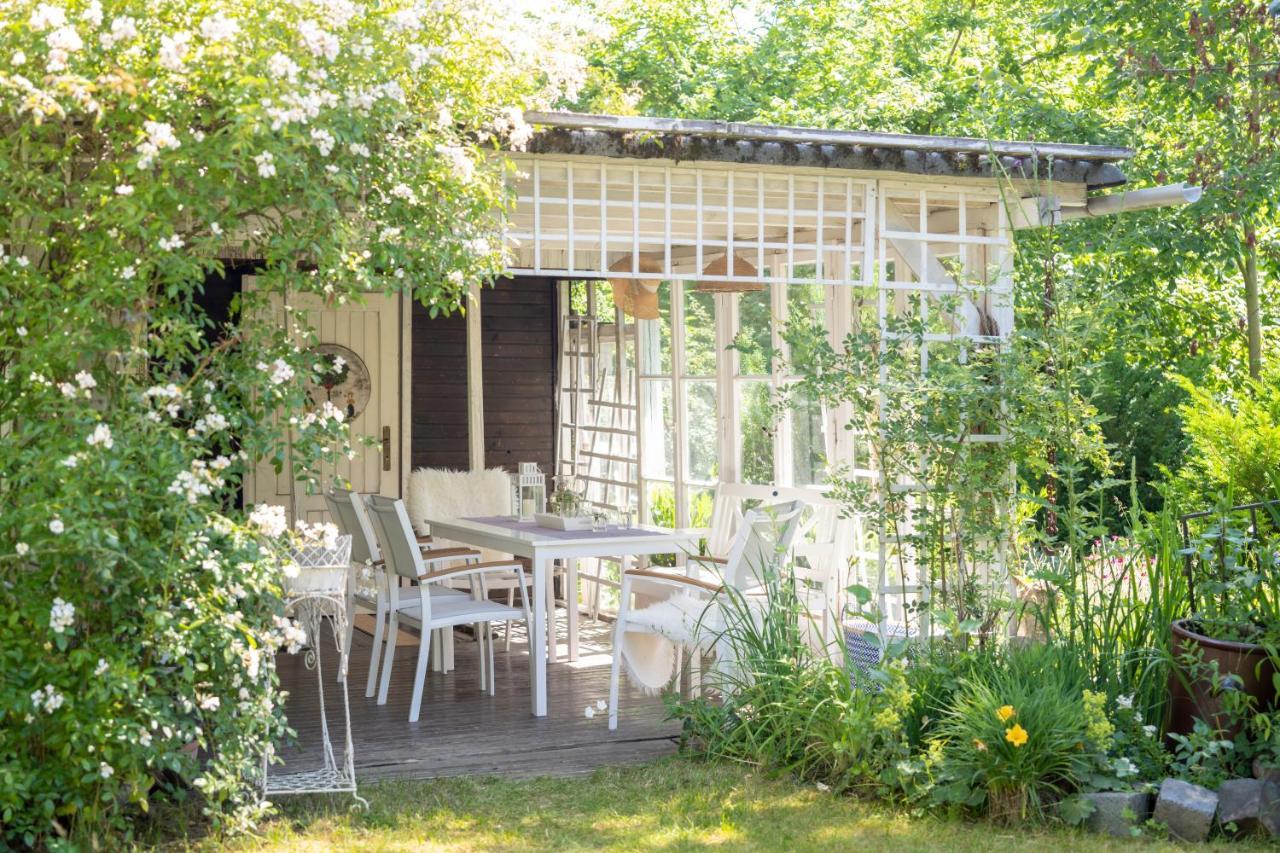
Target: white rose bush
344,148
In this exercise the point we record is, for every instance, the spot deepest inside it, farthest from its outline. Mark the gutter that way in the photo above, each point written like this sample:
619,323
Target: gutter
1040,211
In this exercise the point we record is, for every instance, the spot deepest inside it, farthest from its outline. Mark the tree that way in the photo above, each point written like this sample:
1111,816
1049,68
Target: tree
1205,82
349,148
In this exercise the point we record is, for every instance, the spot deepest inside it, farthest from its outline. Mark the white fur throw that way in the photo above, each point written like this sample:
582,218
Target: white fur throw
441,493
649,655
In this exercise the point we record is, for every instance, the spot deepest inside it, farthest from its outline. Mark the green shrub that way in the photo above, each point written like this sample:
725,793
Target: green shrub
789,707
1234,445
347,149
1015,737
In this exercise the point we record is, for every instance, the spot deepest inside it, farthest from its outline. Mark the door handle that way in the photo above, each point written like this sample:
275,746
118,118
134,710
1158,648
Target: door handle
386,448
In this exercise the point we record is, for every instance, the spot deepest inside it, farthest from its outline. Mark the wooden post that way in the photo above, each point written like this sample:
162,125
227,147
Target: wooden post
475,383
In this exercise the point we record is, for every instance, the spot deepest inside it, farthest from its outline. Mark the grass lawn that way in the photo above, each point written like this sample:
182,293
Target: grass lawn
672,804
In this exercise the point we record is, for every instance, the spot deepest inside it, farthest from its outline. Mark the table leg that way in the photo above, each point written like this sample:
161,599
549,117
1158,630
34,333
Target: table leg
537,635
549,593
571,607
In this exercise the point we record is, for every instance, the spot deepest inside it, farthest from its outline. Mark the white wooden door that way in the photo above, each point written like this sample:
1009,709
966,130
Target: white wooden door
369,338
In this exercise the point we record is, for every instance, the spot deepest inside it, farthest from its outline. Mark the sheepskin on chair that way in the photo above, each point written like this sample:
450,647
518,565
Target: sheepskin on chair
649,654
442,493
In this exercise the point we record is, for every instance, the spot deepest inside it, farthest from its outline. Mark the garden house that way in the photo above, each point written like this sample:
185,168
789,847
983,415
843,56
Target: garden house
641,250
637,345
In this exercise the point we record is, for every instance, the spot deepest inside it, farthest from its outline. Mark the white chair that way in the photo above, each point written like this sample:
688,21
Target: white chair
821,552
443,493
689,617
347,509
417,607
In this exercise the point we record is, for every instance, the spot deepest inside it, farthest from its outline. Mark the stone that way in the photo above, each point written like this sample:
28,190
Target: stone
1117,812
1186,809
1269,803
1239,802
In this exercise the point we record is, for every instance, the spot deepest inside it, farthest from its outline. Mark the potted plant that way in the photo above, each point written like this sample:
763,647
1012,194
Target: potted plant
1226,652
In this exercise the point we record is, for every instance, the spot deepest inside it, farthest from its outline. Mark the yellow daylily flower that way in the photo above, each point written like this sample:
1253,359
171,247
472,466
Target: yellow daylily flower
1004,712
1016,735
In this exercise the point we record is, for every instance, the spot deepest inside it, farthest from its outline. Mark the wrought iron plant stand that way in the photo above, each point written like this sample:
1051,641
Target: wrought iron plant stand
319,590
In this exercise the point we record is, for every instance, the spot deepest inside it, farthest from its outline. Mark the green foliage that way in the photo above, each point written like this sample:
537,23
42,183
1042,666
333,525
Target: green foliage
1016,736
347,148
1234,447
931,433
1187,85
786,706
1111,600
1204,757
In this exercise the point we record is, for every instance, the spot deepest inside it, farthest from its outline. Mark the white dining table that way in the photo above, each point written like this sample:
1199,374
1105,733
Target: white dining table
542,547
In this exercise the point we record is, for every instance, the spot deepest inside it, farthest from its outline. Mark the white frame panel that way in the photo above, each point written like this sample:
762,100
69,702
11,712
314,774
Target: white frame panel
858,236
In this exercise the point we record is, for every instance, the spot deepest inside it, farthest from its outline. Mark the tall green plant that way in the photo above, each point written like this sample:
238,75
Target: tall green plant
1111,600
784,703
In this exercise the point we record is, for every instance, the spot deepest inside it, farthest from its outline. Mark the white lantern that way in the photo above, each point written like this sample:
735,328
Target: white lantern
528,491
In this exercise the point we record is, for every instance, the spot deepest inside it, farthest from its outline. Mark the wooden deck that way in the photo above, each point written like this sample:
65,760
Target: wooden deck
463,731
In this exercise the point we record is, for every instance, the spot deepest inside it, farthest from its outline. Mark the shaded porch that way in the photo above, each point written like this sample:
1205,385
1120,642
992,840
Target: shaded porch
466,732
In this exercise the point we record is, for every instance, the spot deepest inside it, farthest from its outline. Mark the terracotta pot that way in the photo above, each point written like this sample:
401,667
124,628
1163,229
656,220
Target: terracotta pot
1192,695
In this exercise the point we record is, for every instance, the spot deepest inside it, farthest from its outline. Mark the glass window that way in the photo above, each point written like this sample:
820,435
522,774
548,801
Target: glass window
755,430
662,504
701,430
754,338
808,441
700,500
699,332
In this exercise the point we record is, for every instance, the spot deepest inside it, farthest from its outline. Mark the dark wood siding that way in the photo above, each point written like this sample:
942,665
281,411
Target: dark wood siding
438,416
518,319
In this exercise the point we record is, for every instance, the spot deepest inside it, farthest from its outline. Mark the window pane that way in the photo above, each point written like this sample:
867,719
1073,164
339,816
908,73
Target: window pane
700,427
700,500
806,301
808,441
754,337
655,337
658,429
662,504
756,432
699,332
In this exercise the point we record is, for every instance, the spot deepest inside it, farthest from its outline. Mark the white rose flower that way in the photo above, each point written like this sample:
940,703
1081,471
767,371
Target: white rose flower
173,50
219,28
269,519
101,437
266,164
62,615
92,14
46,17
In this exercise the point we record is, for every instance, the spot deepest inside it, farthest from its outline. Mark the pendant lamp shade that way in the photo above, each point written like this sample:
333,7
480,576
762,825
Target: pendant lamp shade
720,267
636,298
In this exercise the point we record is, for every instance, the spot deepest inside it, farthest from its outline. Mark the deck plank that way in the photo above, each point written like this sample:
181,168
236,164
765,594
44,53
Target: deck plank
463,731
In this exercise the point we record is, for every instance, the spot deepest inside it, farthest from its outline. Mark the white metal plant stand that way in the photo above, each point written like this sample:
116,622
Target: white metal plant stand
319,589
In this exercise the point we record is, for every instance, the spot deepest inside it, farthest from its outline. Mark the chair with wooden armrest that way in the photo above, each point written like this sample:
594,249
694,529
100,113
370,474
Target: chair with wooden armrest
821,551
760,544
347,509
418,607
